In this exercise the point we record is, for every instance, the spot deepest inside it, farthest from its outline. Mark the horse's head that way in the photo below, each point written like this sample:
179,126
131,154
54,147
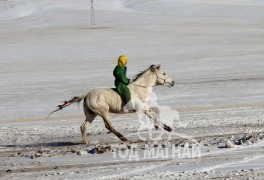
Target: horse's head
162,78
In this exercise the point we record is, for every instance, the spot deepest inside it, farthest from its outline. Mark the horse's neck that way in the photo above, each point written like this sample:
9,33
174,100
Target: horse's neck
143,86
147,80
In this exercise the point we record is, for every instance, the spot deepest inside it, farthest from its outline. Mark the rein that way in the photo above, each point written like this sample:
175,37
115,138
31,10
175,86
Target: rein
142,86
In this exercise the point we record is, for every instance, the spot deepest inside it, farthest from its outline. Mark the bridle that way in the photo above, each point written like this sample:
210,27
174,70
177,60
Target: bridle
155,84
160,77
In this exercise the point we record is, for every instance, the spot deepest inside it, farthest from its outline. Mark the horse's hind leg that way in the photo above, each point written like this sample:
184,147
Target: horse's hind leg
109,126
89,119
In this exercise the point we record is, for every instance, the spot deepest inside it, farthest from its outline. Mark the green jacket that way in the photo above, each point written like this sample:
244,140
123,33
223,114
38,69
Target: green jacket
121,82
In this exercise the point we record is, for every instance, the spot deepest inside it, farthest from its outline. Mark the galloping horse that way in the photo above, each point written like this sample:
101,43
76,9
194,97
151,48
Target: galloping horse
102,102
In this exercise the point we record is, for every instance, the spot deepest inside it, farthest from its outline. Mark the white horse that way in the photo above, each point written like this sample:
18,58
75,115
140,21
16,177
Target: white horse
102,102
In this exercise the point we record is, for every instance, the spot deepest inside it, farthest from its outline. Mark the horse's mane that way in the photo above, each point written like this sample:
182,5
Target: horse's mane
136,77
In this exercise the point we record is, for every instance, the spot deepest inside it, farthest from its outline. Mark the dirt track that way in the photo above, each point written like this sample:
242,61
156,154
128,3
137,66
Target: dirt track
53,149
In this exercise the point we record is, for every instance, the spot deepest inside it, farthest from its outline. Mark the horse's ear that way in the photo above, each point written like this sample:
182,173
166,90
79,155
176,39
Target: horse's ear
152,68
159,66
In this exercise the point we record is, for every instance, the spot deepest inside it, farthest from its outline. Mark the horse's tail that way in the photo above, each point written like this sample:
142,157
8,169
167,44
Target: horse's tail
75,99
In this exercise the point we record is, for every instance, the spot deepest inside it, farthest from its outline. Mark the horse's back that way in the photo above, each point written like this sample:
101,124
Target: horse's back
105,99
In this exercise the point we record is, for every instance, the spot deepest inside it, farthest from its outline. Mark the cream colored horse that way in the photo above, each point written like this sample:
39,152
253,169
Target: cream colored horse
102,102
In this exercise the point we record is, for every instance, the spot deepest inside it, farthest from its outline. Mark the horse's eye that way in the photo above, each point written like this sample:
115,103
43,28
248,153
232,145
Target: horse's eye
164,74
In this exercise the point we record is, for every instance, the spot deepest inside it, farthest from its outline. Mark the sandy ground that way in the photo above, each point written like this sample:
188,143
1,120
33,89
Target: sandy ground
213,50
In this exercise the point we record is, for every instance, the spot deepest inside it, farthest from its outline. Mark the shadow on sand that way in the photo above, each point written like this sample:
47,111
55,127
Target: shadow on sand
43,145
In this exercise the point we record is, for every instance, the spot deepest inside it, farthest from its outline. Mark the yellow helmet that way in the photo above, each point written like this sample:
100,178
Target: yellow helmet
122,60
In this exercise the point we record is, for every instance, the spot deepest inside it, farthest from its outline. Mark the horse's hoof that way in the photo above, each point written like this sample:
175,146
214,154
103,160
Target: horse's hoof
84,141
123,138
158,127
167,128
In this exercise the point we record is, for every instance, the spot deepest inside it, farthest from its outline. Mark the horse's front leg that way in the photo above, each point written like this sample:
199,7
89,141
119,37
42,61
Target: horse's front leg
154,113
